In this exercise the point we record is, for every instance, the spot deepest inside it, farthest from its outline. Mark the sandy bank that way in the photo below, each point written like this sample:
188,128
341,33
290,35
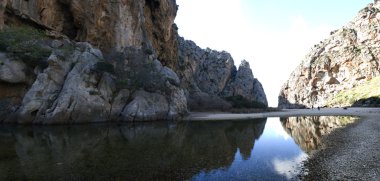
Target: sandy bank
351,153
215,116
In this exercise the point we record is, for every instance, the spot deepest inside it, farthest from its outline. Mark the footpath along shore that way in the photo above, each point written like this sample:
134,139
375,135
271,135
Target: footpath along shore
217,116
350,153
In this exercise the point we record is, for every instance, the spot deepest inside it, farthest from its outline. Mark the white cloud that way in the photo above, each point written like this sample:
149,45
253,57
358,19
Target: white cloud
278,52
289,167
274,125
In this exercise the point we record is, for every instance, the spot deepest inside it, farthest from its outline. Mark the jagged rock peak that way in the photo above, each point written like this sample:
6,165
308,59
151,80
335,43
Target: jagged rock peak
244,64
209,87
348,58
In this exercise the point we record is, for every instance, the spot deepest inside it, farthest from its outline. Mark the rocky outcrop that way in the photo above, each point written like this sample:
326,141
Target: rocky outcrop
105,24
244,84
210,76
347,58
72,61
75,88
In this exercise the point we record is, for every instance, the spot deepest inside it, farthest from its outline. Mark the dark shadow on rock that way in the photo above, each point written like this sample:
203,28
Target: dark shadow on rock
368,102
283,103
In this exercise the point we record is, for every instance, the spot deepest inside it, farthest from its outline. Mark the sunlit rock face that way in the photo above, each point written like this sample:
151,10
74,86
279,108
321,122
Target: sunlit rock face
307,132
345,59
158,151
209,76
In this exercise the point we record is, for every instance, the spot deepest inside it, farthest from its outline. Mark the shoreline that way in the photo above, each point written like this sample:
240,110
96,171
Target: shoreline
348,153
219,116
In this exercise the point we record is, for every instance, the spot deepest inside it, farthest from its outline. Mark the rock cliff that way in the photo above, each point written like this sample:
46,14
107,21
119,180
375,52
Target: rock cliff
348,58
73,61
105,24
212,81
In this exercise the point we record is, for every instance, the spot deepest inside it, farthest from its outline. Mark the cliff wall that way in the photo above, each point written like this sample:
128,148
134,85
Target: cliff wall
70,61
348,58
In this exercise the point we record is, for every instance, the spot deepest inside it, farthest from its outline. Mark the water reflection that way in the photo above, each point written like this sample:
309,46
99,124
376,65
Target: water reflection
275,157
266,149
308,131
160,151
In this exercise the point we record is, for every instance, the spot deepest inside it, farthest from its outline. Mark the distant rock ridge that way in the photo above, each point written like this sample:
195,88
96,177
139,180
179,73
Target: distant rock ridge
96,61
209,76
347,58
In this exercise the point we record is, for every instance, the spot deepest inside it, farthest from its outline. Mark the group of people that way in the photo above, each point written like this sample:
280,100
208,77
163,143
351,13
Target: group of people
319,108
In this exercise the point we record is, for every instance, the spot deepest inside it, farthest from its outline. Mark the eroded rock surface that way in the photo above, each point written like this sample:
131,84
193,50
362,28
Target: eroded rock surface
347,58
95,61
210,76
105,24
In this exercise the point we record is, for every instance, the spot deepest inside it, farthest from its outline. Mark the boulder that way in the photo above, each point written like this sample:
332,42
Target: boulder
12,71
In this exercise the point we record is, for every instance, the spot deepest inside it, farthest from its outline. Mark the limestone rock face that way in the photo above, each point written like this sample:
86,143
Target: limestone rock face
119,60
209,76
105,24
67,90
12,71
74,89
244,84
347,58
2,10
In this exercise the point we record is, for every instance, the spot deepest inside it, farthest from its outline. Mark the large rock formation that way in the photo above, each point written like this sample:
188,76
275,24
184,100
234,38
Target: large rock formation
133,65
208,76
347,58
105,24
74,88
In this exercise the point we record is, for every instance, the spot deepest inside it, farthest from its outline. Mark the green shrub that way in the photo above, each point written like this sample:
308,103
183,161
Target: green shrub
369,89
13,36
241,102
25,43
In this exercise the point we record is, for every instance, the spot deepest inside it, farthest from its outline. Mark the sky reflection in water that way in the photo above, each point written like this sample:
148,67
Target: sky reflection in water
274,156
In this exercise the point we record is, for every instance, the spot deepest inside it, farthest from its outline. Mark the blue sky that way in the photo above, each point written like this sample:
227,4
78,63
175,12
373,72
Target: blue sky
273,35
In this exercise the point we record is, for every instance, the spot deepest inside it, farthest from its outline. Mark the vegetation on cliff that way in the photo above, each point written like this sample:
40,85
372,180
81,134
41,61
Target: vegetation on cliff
368,91
25,43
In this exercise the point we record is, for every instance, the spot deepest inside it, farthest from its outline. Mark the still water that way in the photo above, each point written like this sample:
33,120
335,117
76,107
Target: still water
262,149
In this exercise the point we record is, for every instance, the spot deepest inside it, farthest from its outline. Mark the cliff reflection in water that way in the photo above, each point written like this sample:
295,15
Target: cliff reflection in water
159,151
308,131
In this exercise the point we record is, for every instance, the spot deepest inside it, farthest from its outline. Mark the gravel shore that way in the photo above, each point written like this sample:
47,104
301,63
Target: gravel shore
351,153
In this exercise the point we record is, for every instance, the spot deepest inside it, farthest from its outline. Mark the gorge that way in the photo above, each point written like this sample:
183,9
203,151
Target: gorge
71,61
